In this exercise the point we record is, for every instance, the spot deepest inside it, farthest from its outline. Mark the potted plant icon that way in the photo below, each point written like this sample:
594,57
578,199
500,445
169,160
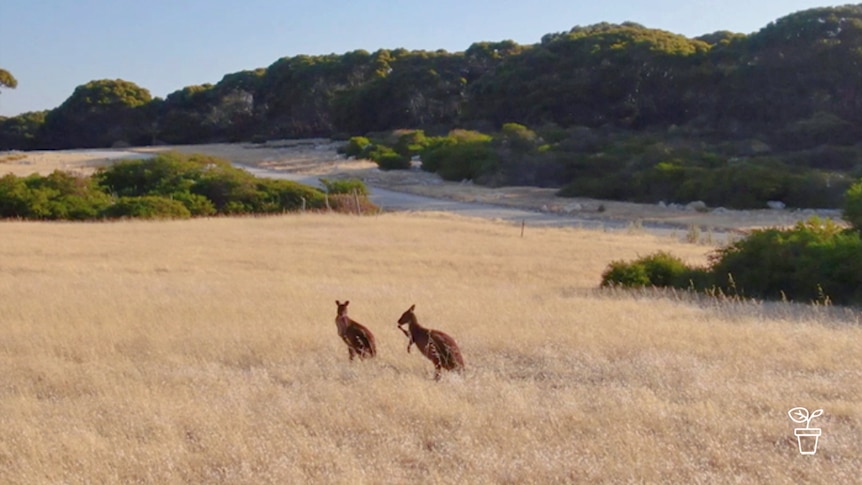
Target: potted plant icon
806,437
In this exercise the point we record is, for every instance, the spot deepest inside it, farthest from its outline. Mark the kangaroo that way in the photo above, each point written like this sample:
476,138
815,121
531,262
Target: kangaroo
359,340
439,347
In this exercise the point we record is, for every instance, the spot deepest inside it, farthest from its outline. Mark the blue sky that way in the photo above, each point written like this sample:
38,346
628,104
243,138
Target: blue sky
53,46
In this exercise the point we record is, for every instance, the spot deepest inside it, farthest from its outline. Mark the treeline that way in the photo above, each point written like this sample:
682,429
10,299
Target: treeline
169,185
609,103
816,261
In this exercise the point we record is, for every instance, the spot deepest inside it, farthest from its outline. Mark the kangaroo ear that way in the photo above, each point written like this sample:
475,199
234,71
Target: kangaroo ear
346,302
412,307
337,302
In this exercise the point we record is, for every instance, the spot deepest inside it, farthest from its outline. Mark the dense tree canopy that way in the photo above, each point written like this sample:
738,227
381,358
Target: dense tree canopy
101,113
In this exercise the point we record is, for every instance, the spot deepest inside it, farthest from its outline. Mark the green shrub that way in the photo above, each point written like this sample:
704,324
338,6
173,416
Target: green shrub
287,195
388,159
625,274
164,174
815,261
58,196
147,207
356,146
853,205
168,185
223,185
665,269
518,137
80,207
777,263
661,182
695,278
206,185
197,204
835,265
345,186
461,155
660,269
411,143
430,161
14,197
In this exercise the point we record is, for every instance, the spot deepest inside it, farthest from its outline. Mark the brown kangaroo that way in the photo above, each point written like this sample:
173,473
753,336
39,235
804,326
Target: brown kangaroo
359,340
440,348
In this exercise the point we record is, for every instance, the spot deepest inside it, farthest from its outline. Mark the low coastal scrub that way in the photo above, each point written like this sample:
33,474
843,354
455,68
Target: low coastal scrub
816,261
604,163
167,186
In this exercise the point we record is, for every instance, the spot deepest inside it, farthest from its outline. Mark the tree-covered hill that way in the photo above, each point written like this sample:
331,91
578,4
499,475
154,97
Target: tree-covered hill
784,99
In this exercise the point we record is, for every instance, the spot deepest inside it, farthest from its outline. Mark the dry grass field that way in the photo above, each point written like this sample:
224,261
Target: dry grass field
205,351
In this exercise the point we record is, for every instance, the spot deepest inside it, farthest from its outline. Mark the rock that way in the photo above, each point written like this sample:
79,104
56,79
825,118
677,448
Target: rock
775,204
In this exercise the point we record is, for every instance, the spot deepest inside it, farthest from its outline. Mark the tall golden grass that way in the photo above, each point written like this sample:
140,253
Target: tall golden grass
206,351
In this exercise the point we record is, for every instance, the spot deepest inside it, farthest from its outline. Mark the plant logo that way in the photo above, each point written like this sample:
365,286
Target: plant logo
806,437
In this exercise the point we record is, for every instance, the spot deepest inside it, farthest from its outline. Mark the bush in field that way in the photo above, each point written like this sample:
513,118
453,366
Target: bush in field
231,190
198,205
853,205
206,185
411,143
518,137
664,269
58,196
345,186
785,263
147,207
815,261
286,195
356,146
388,159
749,185
835,264
170,185
13,196
626,274
461,155
660,269
164,174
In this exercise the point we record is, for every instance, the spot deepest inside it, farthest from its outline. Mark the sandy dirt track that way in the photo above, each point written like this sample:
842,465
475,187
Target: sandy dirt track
310,159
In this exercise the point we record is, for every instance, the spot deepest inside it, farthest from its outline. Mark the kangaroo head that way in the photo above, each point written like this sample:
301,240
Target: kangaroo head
342,307
407,316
